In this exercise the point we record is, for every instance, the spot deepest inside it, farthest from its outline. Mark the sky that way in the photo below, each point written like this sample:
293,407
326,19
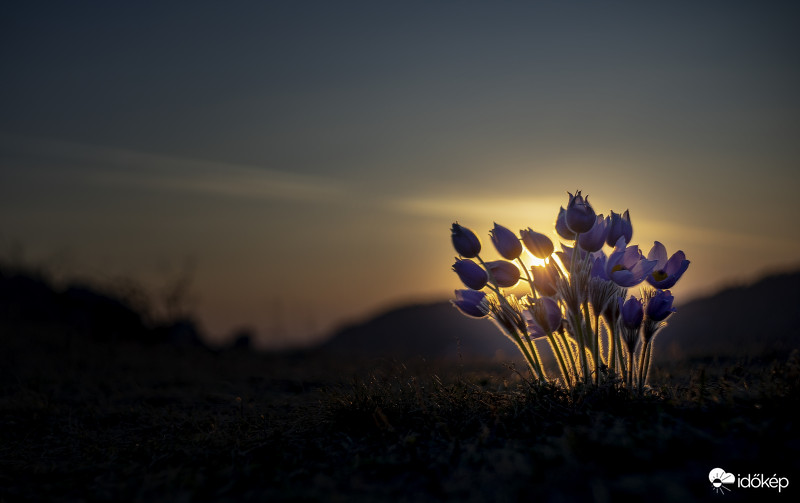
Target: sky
301,163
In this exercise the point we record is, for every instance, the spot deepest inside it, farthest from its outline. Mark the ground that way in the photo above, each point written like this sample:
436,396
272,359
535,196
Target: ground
123,421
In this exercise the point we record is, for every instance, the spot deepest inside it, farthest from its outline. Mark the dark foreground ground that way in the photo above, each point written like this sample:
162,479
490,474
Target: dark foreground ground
84,421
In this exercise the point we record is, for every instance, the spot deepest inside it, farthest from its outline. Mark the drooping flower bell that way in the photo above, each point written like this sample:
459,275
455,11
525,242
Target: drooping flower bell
594,240
580,215
471,303
465,241
619,226
506,242
470,273
505,274
626,266
544,317
545,279
631,312
537,243
660,305
666,272
561,225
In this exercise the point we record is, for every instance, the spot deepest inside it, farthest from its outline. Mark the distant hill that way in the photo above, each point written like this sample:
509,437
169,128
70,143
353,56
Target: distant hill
762,318
430,331
83,311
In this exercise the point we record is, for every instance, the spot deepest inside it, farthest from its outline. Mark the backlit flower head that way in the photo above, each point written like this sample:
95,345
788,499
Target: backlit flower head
506,242
545,316
545,279
505,274
465,241
666,272
619,226
561,225
631,312
660,305
626,266
580,216
470,273
471,302
537,243
594,240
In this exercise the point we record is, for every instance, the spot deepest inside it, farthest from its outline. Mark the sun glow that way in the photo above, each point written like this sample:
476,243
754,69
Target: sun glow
530,260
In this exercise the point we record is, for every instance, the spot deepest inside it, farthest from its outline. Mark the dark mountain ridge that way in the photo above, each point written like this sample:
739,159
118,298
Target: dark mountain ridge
762,318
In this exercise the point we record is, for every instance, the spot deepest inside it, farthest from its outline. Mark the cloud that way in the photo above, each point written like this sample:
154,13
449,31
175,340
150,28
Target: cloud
96,165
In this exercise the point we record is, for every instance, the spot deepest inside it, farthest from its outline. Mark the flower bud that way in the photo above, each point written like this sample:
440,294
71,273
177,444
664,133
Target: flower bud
471,303
631,312
580,216
505,274
660,305
544,279
537,243
506,242
618,226
470,273
465,241
594,240
561,225
545,317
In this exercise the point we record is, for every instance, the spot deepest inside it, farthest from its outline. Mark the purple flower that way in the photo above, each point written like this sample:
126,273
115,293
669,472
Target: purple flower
545,317
566,255
544,279
537,243
666,272
594,240
660,305
626,266
599,267
465,241
561,225
631,312
471,303
470,273
506,242
505,274
619,226
580,215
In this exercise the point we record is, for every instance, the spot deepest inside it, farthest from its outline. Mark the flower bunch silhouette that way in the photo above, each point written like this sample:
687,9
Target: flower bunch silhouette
578,300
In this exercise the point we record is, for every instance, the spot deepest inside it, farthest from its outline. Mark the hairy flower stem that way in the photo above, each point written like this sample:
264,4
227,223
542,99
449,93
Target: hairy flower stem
570,352
597,361
629,375
533,361
577,323
560,357
620,356
644,360
612,343
591,339
527,275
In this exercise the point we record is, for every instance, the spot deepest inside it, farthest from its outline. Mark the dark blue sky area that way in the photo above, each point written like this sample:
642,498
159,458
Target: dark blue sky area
317,152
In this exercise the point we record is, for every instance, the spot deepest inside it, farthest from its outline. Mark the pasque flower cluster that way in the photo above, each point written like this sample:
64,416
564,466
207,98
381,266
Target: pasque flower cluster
578,301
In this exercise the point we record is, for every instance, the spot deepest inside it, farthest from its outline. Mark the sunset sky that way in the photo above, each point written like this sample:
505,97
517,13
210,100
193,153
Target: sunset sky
303,161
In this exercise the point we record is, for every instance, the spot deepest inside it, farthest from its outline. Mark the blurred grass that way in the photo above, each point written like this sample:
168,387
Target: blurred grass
84,421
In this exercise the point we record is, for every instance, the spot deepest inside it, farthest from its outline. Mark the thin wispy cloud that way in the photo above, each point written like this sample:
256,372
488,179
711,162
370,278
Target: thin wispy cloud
114,167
